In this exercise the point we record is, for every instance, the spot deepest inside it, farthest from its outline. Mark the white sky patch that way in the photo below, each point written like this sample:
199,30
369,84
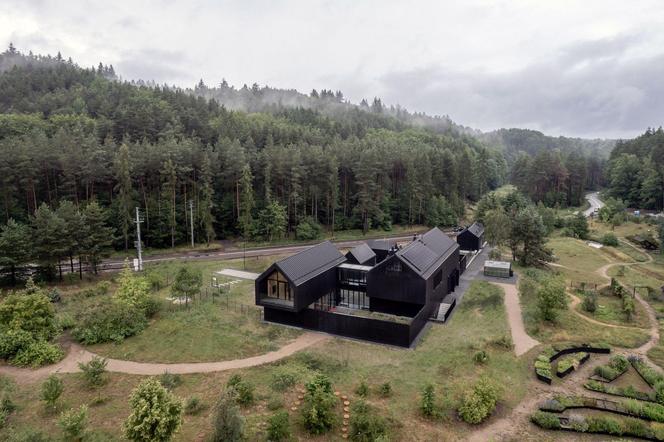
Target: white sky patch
590,67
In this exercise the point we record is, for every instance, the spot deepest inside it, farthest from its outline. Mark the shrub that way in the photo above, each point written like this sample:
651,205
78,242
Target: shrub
73,422
365,425
278,428
242,390
428,401
275,403
108,321
133,291
385,390
362,390
308,229
551,297
51,390
609,239
481,357
590,302
193,405
544,419
93,371
606,372
155,413
603,424
227,422
659,392
284,377
318,409
503,341
32,313
478,403
170,381
38,353
13,340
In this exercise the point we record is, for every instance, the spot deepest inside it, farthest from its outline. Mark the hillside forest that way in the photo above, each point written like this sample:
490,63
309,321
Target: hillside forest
81,149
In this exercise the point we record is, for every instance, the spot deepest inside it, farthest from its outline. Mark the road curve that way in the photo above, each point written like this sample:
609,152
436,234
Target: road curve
595,203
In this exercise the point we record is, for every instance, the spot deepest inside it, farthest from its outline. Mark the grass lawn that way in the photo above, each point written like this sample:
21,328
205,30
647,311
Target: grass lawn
577,255
444,357
609,310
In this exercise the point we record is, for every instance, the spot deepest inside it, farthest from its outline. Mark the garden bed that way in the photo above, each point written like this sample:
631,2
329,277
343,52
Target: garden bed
643,410
543,370
617,366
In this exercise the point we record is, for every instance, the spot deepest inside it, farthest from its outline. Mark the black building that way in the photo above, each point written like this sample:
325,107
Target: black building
381,247
389,302
362,255
471,238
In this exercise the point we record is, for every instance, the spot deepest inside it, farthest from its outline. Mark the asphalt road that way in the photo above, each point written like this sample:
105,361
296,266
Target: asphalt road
595,203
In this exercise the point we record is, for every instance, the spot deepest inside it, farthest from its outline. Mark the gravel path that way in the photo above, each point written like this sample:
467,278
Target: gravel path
78,354
522,341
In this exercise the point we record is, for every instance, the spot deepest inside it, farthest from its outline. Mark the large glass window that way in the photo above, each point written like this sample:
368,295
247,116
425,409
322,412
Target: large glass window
353,277
353,299
278,287
325,302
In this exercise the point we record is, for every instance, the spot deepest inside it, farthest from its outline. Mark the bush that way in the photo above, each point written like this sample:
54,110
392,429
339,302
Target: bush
284,377
428,402
193,405
362,390
108,321
318,414
365,425
481,357
385,390
243,390
73,423
227,422
603,424
51,390
278,428
551,297
155,413
590,302
32,313
13,340
478,403
308,229
275,403
93,371
170,381
38,353
609,239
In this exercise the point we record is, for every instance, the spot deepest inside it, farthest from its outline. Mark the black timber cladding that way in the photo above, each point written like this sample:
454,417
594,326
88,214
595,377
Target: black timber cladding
361,254
310,263
425,254
472,237
476,229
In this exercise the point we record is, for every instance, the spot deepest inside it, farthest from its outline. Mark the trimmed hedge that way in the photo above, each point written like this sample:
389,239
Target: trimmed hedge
543,370
571,363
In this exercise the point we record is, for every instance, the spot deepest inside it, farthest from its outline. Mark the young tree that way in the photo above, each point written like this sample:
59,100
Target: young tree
73,423
496,226
578,225
99,237
133,290
51,390
187,283
272,221
551,297
15,248
156,415
227,421
93,371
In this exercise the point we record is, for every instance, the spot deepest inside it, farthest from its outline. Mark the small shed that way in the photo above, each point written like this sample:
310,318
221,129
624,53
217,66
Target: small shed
498,269
471,238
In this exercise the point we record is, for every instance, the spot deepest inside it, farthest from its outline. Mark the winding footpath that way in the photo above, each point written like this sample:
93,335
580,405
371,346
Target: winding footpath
78,354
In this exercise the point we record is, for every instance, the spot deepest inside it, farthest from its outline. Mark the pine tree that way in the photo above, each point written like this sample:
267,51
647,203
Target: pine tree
15,248
206,200
74,230
169,191
99,236
124,190
49,238
246,202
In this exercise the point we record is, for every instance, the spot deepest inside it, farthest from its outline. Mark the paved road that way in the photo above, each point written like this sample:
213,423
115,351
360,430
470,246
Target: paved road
595,203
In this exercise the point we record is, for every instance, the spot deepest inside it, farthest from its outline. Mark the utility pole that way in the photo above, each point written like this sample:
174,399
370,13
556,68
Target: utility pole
191,219
138,239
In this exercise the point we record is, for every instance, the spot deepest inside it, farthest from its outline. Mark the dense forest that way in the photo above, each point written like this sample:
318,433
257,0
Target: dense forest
244,162
635,173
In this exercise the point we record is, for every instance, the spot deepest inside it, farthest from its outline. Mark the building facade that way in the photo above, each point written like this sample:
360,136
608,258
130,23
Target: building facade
472,237
356,295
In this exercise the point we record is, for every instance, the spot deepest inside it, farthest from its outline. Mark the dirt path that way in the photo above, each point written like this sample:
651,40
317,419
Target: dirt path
522,341
78,354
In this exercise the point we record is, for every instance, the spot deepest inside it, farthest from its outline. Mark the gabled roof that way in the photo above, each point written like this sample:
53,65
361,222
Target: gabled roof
309,263
425,254
362,253
381,244
476,229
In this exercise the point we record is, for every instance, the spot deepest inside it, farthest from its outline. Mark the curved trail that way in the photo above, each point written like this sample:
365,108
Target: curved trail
78,354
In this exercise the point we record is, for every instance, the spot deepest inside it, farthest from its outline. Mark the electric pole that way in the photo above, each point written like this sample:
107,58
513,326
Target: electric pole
191,218
138,239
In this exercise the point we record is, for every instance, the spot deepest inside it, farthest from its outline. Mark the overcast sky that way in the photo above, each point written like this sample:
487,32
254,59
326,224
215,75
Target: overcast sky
582,68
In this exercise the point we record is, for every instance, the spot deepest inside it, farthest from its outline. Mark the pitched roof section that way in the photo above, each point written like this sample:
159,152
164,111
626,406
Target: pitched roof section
381,244
425,254
309,263
362,253
476,229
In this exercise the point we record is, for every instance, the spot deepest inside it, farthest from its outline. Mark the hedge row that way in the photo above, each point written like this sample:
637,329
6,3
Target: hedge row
543,369
626,426
617,366
631,408
647,373
628,392
570,363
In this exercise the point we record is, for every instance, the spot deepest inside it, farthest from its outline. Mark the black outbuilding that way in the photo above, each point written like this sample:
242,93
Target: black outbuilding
362,255
381,247
471,238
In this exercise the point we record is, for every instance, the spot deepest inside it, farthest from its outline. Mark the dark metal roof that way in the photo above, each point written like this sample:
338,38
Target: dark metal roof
362,253
309,263
476,229
425,254
381,244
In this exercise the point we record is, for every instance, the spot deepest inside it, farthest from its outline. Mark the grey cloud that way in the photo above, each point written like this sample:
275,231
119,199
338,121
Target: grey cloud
162,66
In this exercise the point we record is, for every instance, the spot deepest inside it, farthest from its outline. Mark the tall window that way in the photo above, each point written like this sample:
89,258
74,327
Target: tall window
353,277
278,287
